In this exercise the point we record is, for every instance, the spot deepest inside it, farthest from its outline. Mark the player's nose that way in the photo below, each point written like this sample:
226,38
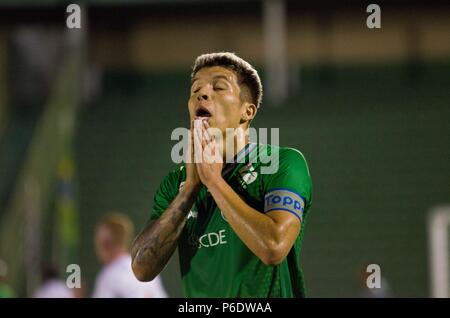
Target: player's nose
202,97
204,93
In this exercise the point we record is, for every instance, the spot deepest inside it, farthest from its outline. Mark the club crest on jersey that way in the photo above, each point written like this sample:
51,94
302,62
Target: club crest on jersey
248,175
192,214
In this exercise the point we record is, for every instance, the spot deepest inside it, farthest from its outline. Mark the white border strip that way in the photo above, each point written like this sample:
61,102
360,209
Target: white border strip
438,221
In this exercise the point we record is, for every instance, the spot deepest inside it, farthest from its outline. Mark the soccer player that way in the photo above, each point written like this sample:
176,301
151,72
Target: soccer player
238,230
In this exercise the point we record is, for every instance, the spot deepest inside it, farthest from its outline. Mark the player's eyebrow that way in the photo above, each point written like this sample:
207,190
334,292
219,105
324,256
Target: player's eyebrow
219,76
222,77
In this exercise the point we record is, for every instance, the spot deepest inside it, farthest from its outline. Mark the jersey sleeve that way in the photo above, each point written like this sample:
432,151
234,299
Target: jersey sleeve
290,188
166,193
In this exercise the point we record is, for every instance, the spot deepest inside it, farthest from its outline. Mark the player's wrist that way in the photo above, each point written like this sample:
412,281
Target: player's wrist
214,182
191,186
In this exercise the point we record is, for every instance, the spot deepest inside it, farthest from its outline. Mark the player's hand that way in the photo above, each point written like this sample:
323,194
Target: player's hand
209,167
192,177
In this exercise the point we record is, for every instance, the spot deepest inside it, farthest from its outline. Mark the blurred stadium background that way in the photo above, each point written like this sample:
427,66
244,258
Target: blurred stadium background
86,117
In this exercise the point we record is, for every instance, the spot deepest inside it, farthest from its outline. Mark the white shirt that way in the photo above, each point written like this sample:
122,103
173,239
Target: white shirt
53,288
116,280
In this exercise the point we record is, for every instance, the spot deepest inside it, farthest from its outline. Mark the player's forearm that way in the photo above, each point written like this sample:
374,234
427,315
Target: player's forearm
155,245
259,232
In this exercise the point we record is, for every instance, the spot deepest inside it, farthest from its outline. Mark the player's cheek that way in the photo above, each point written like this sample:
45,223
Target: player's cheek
191,107
218,122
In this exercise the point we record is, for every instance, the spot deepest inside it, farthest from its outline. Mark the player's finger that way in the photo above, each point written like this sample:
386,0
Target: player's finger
208,130
216,153
207,134
206,124
190,148
213,148
205,139
198,128
198,148
198,136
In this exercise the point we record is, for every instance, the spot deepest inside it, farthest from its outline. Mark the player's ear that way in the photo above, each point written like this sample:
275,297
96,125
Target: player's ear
248,112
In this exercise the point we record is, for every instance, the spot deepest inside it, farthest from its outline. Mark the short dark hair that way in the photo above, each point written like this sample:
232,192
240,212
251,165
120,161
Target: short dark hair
247,74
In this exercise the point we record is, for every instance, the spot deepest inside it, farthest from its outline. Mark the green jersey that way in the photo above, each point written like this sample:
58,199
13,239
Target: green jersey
214,262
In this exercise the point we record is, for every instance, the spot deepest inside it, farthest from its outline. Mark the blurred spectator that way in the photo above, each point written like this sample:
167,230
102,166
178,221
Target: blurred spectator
52,285
116,279
5,290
